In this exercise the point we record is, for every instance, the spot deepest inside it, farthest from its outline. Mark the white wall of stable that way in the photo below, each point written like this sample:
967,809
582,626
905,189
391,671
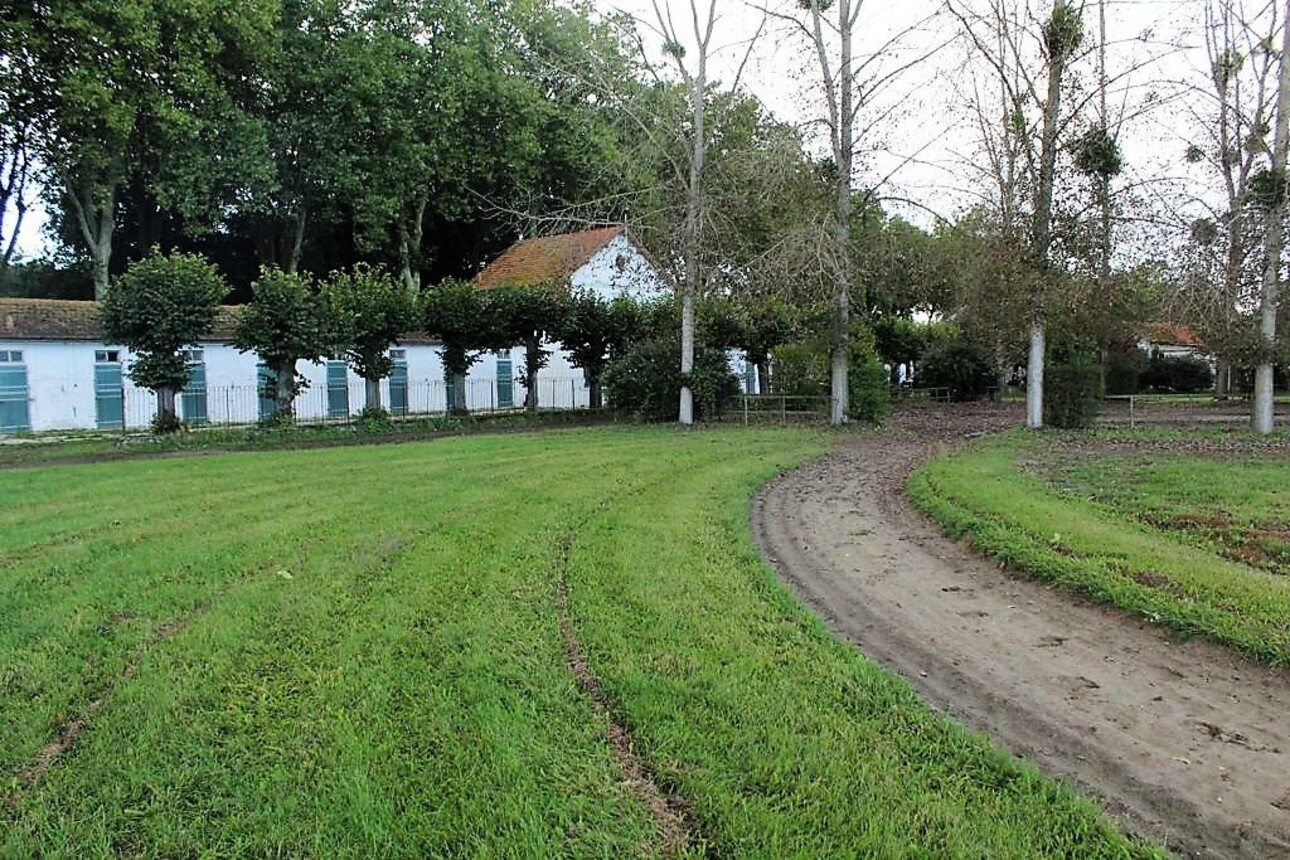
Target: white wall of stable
61,384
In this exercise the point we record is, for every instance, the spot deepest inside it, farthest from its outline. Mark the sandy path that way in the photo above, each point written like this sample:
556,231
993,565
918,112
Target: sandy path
1183,742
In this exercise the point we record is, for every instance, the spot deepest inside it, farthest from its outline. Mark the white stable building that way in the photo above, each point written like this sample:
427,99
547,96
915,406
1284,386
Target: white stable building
57,372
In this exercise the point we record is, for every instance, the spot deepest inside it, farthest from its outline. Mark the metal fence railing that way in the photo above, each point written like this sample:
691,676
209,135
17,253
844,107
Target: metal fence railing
1179,410
234,405
938,394
780,409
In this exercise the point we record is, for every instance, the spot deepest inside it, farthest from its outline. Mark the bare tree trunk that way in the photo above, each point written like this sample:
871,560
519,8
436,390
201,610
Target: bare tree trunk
410,246
1106,237
459,393
1273,240
763,375
12,192
372,393
595,393
1001,377
698,84
1042,230
1222,379
96,216
839,96
1035,378
1104,179
532,358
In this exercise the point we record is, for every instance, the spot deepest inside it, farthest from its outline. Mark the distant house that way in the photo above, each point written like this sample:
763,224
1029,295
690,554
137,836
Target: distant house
57,373
606,261
1172,340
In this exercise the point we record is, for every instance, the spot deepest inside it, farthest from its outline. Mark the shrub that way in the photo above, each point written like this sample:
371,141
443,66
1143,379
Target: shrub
958,365
374,419
646,381
1072,391
868,394
164,423
1177,375
802,369
1123,372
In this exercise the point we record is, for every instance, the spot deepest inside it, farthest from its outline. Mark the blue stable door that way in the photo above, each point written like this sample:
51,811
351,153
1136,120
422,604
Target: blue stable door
14,413
193,400
266,384
109,396
505,384
337,389
399,388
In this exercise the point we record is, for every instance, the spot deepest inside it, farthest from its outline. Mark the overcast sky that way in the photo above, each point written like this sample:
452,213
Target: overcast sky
919,147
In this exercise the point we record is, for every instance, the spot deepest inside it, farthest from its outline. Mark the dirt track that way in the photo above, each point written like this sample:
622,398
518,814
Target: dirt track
1183,742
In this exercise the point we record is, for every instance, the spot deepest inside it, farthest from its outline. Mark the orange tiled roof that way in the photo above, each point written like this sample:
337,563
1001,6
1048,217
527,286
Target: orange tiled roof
63,319
1174,334
547,260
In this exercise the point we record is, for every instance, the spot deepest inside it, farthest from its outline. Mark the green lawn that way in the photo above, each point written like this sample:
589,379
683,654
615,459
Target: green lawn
1197,541
356,652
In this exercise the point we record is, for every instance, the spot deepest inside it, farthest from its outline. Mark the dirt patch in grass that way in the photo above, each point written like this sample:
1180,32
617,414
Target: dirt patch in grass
1155,579
1114,703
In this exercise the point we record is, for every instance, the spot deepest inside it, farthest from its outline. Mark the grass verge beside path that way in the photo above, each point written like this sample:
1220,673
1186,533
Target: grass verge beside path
357,652
1084,518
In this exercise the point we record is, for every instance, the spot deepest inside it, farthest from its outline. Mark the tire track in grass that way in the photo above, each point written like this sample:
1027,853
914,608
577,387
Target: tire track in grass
670,811
29,774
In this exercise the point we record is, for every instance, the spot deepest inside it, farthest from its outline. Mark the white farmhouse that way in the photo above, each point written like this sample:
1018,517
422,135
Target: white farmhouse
605,261
57,373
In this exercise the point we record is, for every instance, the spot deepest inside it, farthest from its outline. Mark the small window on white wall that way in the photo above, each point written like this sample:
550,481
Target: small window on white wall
11,356
398,354
107,356
194,356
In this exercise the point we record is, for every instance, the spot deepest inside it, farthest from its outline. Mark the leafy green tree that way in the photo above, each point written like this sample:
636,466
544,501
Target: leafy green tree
133,88
370,311
594,332
162,304
307,107
528,317
287,322
458,313
754,325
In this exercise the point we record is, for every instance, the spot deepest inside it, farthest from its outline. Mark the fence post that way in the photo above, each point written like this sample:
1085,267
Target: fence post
745,410
1132,421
